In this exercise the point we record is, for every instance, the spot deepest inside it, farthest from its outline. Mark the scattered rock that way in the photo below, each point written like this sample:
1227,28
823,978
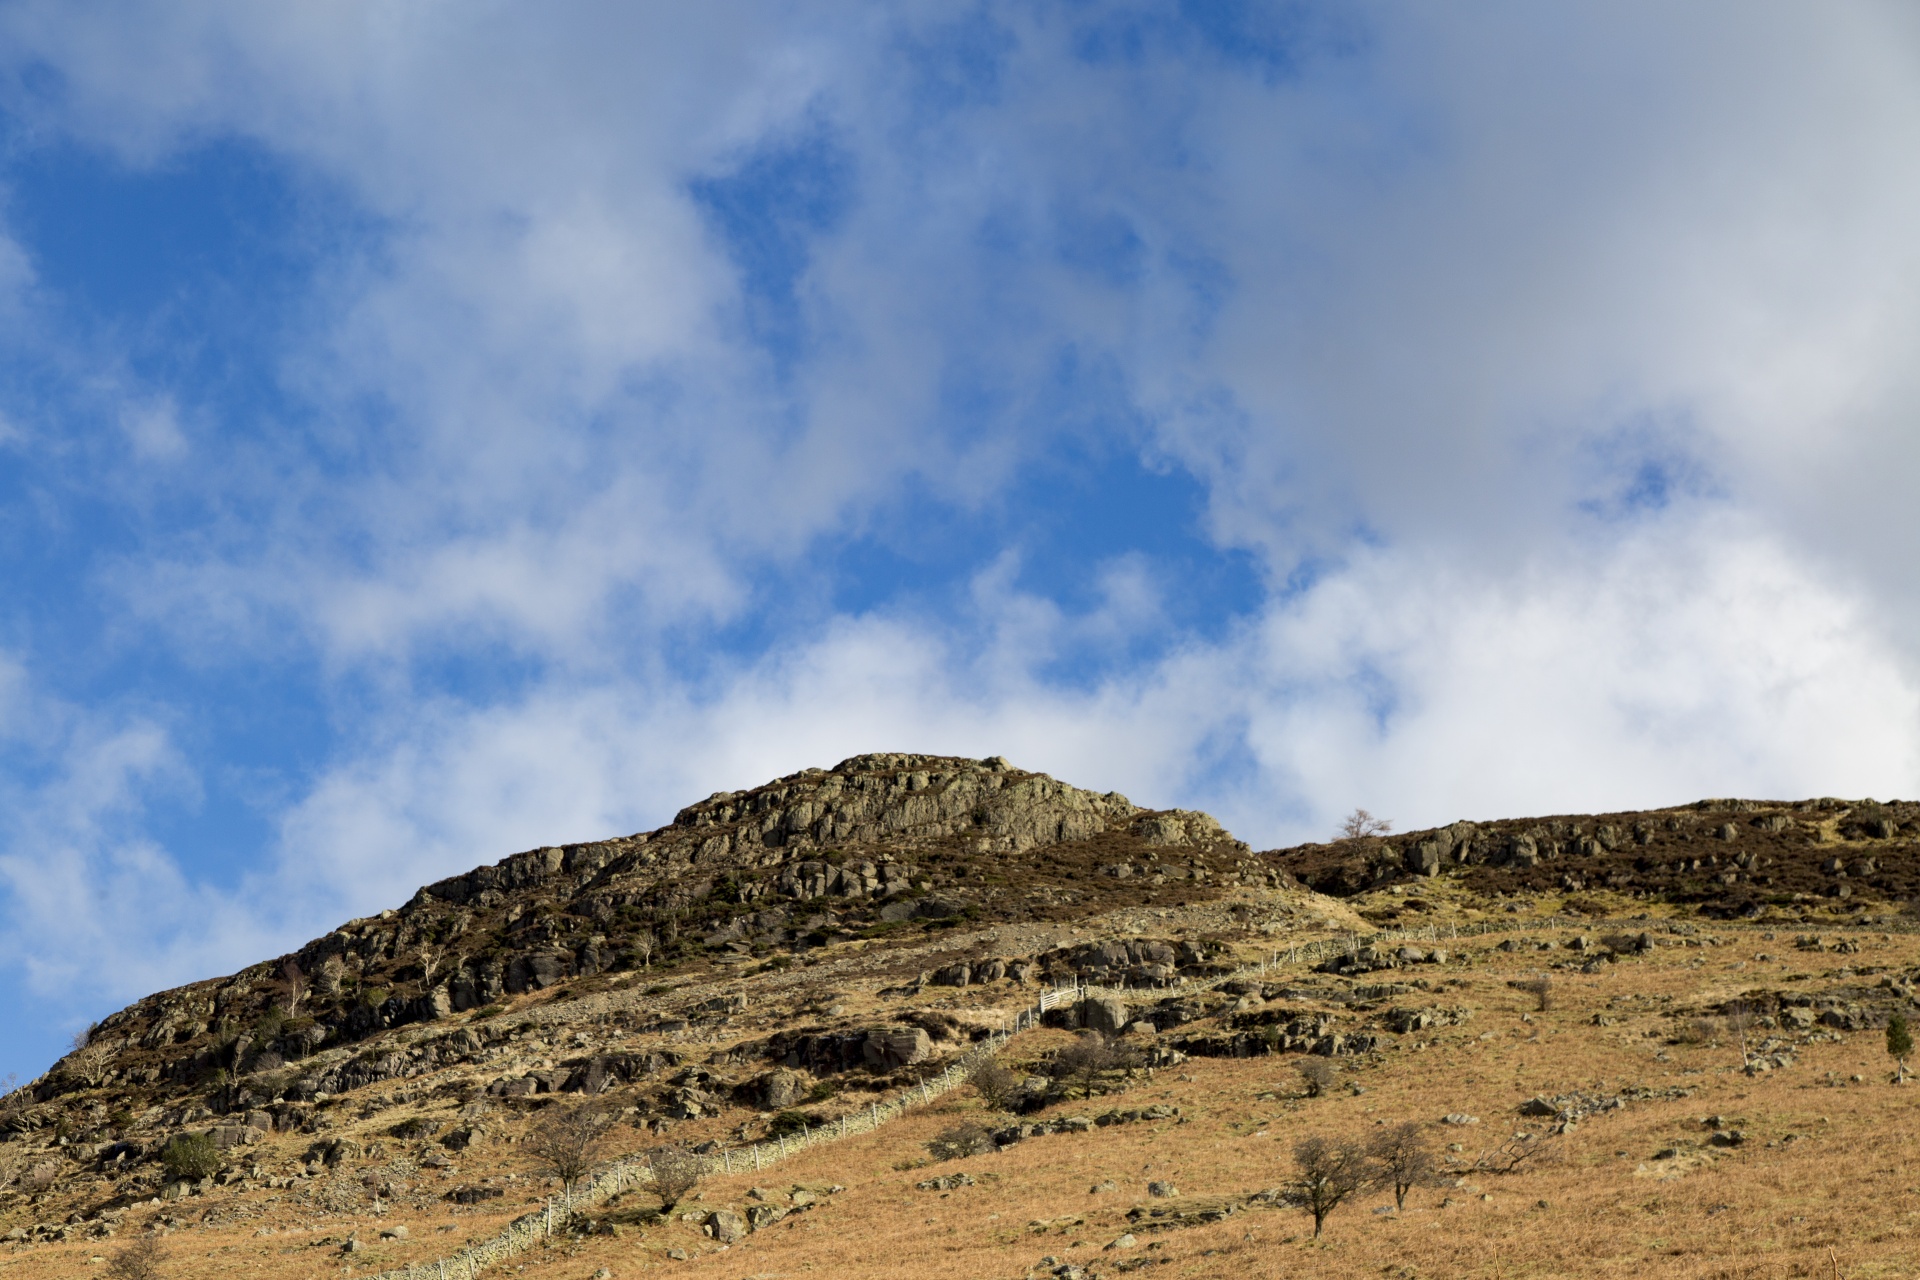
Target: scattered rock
726,1226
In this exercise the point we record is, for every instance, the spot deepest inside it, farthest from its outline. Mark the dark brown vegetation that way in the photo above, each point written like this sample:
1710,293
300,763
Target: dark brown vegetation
143,1259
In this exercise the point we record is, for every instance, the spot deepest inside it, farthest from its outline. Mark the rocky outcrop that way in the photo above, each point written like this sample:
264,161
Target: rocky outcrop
879,840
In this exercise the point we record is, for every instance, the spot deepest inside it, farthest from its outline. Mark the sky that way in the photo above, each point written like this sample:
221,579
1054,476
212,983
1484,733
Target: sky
431,431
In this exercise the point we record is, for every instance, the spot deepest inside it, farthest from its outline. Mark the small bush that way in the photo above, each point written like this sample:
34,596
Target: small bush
1316,1074
191,1156
823,1091
676,1172
140,1260
1540,988
489,1011
996,1085
1088,1059
789,1122
960,1142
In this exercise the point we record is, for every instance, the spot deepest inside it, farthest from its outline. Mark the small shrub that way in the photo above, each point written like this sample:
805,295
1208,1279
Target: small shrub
789,1122
676,1172
270,1025
1316,1074
191,1156
489,1011
1089,1058
1540,988
140,1260
997,1086
960,1142
415,1127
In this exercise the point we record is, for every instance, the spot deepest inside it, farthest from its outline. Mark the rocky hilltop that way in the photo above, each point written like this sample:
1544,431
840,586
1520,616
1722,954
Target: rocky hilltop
826,958
823,855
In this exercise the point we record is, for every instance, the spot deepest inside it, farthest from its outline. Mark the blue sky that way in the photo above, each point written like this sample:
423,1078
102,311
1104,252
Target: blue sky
428,433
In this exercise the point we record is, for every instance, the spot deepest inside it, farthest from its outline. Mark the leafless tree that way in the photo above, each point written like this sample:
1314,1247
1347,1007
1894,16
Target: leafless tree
429,961
565,1142
1315,1073
295,983
140,1260
1360,823
644,946
996,1085
1329,1173
1088,1058
676,1172
91,1060
1404,1159
332,973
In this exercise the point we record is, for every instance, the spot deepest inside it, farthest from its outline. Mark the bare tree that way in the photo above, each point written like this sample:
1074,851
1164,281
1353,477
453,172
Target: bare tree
1360,823
91,1060
1316,1074
565,1142
429,961
140,1260
1404,1159
1087,1059
295,983
1327,1174
996,1085
644,946
676,1172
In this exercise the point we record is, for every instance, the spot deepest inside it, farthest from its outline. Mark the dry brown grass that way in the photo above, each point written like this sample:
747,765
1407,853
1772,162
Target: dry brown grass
1825,1167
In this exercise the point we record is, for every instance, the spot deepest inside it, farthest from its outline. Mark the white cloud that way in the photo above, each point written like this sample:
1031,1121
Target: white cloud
1555,365
1707,663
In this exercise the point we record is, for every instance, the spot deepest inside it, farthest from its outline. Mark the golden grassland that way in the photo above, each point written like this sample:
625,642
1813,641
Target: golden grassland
1827,1181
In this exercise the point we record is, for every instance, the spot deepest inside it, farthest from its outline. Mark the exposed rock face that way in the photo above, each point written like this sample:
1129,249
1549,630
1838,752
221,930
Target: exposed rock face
879,840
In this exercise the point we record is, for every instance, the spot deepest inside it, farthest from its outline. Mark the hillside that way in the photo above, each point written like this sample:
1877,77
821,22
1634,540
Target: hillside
1575,1009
